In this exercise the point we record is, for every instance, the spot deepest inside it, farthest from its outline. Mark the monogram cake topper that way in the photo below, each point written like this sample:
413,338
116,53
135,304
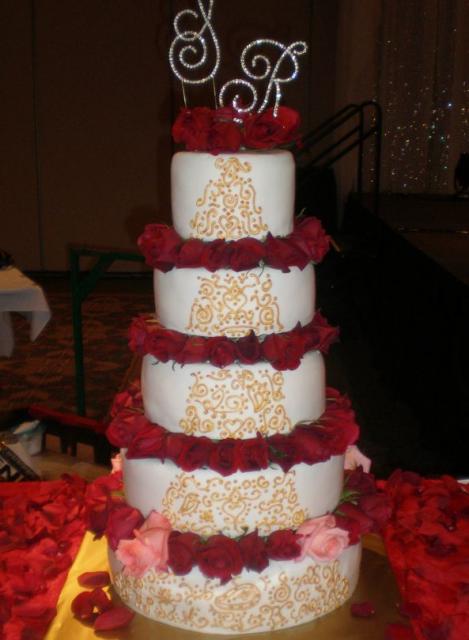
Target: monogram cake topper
190,61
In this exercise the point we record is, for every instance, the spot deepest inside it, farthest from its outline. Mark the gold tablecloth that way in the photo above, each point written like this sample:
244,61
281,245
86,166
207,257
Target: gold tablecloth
376,584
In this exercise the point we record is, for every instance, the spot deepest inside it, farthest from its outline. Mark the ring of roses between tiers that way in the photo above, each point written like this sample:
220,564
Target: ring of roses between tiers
151,543
310,443
282,350
164,249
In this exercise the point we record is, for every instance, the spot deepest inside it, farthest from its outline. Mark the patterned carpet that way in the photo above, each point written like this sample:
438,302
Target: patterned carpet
43,371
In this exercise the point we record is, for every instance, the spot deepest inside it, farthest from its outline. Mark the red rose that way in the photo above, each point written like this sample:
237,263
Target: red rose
254,454
191,128
190,253
376,506
160,245
121,524
351,525
253,552
149,442
284,350
217,255
137,338
352,519
319,335
306,440
280,253
283,545
98,514
225,457
182,552
249,349
283,451
164,344
123,428
195,349
223,136
246,254
310,237
222,352
359,481
264,130
220,558
337,437
189,452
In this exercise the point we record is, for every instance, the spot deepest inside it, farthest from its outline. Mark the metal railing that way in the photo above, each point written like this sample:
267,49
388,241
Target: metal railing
83,284
355,130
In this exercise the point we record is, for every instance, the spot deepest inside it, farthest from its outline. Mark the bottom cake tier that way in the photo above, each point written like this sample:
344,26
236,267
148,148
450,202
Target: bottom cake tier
285,594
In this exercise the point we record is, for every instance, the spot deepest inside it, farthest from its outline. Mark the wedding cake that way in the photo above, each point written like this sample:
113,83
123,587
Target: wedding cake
233,450
245,495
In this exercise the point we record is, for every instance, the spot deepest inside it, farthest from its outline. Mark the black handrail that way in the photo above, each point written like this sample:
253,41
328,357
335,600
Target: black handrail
308,155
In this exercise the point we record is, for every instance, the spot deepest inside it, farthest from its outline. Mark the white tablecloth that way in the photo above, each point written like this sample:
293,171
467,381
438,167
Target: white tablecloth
19,293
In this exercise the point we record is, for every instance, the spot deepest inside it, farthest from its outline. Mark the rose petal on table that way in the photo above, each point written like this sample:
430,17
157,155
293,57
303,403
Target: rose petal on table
93,579
101,600
83,605
397,631
115,618
409,609
362,609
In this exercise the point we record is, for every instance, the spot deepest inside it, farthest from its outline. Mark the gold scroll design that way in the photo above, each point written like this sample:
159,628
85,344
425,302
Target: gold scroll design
244,605
234,304
227,209
206,506
236,403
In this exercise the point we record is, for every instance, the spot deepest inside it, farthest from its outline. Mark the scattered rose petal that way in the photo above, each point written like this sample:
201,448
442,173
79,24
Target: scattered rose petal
362,609
397,631
115,618
92,579
83,606
101,600
409,609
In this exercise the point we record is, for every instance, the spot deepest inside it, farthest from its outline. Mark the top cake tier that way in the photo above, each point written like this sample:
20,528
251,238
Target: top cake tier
233,195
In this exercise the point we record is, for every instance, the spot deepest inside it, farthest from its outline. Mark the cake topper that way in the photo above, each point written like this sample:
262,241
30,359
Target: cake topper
189,61
257,66
189,51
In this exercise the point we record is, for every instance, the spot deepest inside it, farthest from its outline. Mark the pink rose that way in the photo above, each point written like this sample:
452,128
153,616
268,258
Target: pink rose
149,549
355,458
136,557
321,539
116,463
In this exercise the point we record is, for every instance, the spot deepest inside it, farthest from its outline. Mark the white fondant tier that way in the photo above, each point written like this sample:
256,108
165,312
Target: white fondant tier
230,303
234,402
285,594
233,195
205,502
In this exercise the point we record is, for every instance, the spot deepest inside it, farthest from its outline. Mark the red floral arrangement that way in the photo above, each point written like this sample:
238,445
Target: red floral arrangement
224,129
282,350
164,249
222,557
427,540
330,435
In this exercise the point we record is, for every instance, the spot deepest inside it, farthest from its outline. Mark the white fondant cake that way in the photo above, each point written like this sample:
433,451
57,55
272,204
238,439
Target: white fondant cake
229,303
237,401
232,196
284,595
205,502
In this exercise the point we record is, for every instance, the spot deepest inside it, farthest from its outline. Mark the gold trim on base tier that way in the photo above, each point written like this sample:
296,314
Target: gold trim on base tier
376,583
